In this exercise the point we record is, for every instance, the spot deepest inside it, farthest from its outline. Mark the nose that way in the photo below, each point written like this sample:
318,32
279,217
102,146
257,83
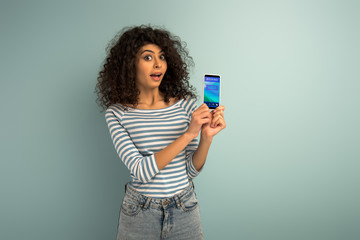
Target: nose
157,63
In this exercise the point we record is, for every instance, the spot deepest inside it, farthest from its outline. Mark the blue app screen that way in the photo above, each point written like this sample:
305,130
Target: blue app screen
212,91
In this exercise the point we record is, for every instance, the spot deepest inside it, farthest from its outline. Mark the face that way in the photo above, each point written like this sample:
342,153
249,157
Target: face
150,67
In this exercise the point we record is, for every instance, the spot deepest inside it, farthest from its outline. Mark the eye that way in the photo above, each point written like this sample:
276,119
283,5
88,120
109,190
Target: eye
162,57
147,58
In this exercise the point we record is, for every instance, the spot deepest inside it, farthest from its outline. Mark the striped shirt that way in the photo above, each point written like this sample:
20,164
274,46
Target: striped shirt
138,134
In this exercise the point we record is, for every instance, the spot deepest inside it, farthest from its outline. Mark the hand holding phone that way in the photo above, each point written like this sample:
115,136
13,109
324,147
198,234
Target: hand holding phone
212,90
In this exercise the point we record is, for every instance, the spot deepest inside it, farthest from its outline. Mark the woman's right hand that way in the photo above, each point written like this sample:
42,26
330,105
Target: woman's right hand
199,117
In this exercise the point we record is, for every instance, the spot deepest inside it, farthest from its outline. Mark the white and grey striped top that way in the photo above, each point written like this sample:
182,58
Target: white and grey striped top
138,134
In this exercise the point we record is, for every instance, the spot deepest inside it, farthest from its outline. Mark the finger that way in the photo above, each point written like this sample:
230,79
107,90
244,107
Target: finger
204,107
220,108
205,121
204,112
201,114
216,117
220,126
214,120
199,118
220,122
219,113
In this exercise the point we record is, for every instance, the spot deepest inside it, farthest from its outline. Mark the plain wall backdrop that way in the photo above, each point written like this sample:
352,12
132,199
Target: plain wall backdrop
286,167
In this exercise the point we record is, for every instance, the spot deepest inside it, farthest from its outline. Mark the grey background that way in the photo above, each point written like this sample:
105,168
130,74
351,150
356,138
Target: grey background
285,168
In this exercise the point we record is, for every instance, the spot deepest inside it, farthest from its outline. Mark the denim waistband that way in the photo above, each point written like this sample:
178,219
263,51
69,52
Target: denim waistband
146,202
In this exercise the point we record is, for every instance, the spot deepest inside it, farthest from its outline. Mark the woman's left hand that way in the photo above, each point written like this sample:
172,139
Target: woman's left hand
217,123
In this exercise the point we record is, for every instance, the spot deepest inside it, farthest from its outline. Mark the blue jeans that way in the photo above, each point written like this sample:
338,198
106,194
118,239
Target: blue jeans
148,218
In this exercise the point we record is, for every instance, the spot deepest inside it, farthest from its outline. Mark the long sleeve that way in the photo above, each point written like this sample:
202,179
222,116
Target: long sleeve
190,150
142,168
138,134
190,107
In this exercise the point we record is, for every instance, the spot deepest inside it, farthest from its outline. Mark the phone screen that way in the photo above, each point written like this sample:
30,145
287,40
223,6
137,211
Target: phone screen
212,91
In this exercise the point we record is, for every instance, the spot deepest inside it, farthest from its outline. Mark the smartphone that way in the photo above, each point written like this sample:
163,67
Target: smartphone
212,90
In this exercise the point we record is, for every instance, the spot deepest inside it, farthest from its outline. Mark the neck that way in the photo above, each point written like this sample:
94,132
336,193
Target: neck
150,97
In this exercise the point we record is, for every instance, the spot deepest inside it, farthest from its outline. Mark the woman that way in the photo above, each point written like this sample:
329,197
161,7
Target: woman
154,124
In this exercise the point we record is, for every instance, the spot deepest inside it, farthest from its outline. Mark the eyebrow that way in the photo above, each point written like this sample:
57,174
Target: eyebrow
162,51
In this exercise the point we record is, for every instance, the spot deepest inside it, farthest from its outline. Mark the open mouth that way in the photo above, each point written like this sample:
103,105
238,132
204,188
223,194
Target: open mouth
156,76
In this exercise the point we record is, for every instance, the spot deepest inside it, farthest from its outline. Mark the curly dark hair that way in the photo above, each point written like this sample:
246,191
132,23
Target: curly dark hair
116,80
